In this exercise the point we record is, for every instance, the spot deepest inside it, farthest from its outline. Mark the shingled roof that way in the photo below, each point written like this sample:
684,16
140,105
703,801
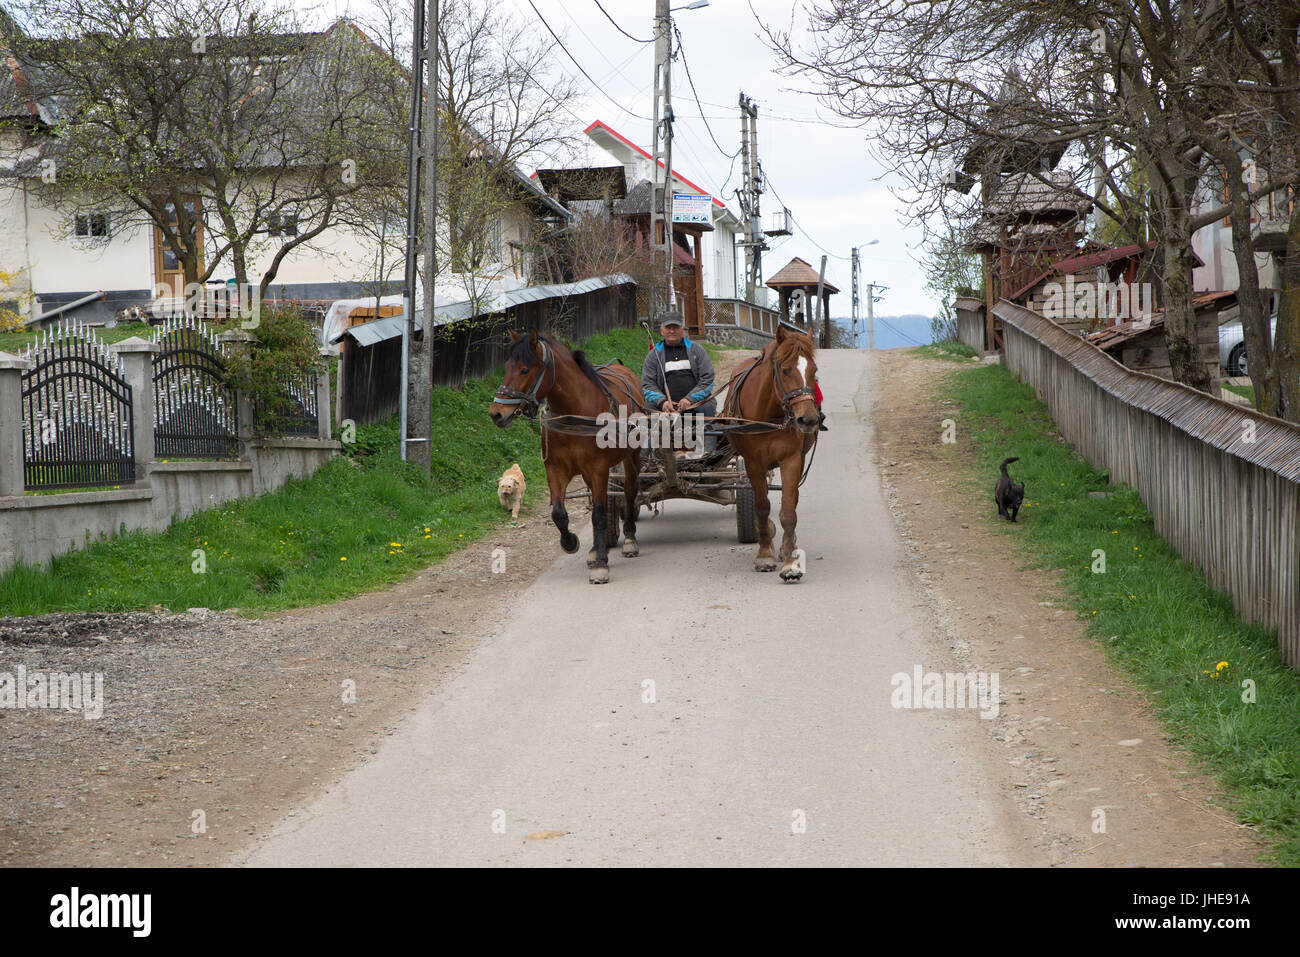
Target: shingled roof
798,274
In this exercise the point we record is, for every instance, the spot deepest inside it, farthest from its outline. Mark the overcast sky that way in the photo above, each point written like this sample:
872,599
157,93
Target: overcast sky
838,194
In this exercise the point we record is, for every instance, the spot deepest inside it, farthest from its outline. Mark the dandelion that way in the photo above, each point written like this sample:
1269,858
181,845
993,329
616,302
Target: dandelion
426,529
395,544
428,536
343,558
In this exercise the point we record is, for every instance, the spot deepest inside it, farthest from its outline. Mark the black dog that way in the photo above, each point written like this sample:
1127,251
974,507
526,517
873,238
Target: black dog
1009,495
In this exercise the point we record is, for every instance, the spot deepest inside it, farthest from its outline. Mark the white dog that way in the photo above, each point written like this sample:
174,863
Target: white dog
510,490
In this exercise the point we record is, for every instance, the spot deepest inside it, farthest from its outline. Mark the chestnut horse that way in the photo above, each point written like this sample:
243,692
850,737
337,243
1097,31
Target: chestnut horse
777,387
540,369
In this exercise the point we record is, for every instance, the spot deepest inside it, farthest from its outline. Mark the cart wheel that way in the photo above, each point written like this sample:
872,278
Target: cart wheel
746,529
613,520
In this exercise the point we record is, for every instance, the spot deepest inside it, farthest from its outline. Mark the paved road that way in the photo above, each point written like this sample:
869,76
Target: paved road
769,700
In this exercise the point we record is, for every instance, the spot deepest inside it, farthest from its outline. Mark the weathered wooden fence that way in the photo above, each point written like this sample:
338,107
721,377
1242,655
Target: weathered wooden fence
1222,481
370,376
970,323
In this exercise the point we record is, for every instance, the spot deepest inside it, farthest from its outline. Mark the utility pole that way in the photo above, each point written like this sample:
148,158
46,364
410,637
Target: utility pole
821,307
871,323
661,203
751,190
422,177
854,268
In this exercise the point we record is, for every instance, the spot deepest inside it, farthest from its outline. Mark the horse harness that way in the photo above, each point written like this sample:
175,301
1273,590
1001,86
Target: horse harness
527,401
787,397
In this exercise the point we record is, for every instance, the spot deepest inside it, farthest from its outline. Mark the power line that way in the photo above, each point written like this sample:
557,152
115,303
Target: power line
618,28
898,332
681,48
580,67
800,225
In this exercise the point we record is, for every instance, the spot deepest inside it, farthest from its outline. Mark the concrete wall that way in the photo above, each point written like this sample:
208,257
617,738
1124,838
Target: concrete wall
35,528
737,336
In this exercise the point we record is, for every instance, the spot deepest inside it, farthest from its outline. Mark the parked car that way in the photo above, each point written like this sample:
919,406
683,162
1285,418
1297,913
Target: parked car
1232,345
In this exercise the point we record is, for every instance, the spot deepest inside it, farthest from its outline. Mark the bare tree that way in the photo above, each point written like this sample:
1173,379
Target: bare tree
226,113
502,104
1000,90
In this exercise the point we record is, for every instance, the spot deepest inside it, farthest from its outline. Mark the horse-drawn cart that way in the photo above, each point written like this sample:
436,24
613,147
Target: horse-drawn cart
716,476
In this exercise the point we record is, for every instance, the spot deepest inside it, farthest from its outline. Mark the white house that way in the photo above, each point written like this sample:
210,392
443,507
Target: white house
718,248
64,253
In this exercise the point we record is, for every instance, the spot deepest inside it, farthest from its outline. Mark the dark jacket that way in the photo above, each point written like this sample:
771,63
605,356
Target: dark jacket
655,387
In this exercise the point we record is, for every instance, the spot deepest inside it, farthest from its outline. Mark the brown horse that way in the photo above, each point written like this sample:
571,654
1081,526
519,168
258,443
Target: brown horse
777,387
540,369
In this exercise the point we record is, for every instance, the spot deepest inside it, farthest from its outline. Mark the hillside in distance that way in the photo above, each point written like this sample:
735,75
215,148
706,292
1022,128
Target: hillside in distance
892,332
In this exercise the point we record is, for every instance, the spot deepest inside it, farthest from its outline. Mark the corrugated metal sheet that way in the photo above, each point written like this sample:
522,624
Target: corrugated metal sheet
369,333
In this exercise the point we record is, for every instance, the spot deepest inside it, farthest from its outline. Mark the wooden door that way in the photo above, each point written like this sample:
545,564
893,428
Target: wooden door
167,265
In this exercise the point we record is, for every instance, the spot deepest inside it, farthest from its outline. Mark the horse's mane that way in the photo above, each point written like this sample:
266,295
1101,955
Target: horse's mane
794,345
522,351
587,368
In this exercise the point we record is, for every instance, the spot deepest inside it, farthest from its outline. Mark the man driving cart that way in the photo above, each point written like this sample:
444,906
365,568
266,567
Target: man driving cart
678,375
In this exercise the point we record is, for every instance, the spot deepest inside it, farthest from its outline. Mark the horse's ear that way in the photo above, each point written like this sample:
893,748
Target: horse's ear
532,337
780,333
514,336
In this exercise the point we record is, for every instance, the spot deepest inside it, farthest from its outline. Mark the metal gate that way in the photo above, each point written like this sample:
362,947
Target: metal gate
77,415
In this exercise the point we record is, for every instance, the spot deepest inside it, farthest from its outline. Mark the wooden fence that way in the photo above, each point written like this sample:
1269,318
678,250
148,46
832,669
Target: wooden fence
1222,481
370,377
970,323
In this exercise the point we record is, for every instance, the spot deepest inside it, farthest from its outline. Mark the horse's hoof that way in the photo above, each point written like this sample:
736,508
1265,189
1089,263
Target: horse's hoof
630,549
569,542
790,574
591,558
599,576
765,564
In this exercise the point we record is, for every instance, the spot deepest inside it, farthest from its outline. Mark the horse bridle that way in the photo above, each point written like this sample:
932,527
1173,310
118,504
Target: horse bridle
528,401
787,398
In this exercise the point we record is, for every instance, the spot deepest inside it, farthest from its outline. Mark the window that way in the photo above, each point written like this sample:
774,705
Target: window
90,225
282,224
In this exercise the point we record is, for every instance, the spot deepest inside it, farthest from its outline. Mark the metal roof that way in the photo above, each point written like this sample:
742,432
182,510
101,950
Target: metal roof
390,327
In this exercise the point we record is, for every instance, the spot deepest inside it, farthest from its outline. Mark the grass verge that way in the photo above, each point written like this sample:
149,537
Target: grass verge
363,520
14,341
1243,390
1152,612
948,350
